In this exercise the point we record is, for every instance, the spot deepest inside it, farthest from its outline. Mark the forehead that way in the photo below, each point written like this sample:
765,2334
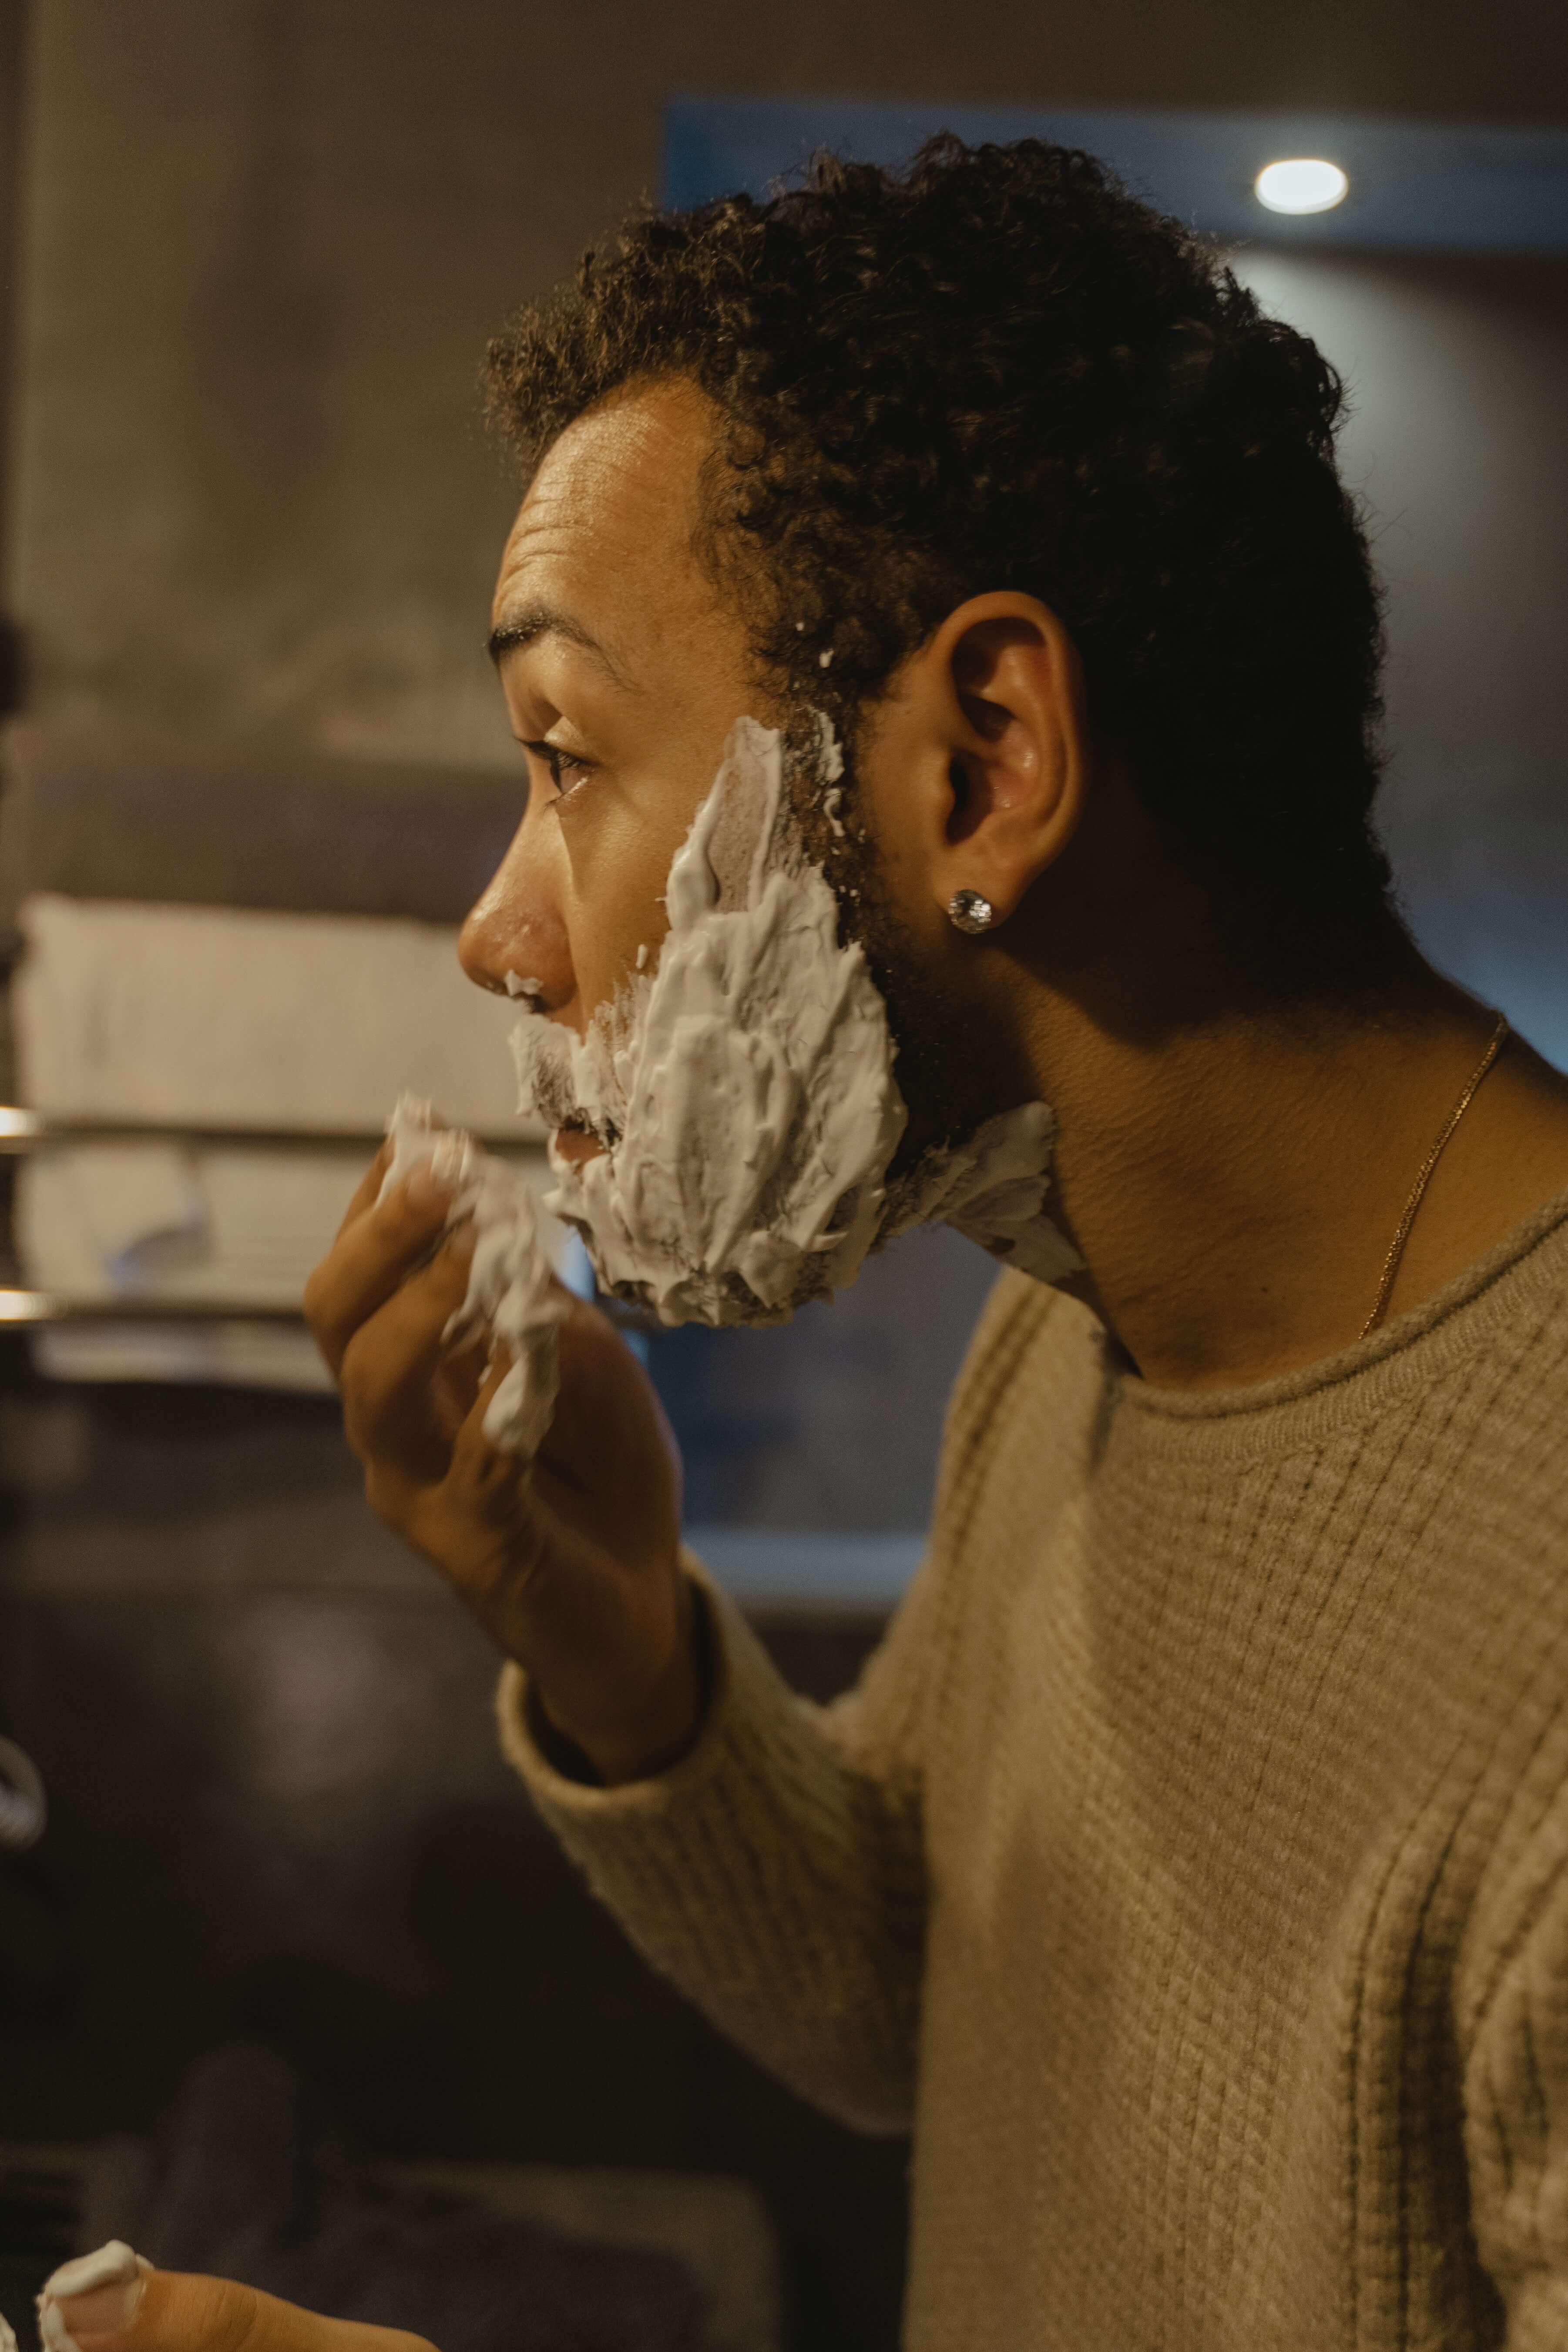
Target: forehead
611,511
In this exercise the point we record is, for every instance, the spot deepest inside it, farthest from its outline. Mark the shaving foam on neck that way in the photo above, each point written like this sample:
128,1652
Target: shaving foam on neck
513,1298
742,1091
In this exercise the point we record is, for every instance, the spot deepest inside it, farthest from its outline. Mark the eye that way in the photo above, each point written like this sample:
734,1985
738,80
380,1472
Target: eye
565,770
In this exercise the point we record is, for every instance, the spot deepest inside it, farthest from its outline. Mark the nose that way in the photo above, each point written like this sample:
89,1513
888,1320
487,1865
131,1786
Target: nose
514,928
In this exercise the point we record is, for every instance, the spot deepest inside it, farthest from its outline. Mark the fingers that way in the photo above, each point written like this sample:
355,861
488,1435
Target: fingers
371,1182
589,1350
593,1360
182,2312
369,1185
373,1254
488,1484
609,1428
481,1525
404,1396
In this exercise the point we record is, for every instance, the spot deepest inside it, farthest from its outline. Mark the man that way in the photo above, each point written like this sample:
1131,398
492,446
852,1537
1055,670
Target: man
1187,1867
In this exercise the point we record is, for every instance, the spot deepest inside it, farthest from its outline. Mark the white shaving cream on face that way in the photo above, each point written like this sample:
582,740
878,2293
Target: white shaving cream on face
742,1091
113,2265
512,1296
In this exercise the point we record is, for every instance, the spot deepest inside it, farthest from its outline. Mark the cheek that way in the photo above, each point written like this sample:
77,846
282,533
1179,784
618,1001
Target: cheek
618,863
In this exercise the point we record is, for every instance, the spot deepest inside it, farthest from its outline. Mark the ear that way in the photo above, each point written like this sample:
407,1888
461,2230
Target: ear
993,746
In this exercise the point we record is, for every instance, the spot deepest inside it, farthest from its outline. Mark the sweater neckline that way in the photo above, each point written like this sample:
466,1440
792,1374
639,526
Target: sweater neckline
1493,1295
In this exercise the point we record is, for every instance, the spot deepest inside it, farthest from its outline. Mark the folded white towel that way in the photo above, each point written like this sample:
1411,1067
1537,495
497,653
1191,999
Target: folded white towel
218,1017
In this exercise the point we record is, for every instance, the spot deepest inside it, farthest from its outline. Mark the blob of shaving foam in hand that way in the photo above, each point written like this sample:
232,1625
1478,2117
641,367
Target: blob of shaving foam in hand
114,2265
742,1091
513,1299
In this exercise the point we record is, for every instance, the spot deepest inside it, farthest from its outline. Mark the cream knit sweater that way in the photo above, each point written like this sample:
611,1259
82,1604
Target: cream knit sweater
1191,1865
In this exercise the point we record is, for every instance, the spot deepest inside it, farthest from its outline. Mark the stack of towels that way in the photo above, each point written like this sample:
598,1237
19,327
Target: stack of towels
269,1024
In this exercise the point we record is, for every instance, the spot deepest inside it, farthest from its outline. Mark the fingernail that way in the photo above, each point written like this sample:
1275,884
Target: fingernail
95,2296
452,1160
103,2313
426,1190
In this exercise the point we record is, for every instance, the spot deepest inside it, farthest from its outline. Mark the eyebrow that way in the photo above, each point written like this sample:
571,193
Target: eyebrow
549,621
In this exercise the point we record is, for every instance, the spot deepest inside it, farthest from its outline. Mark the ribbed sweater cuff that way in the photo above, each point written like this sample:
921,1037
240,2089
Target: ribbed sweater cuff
742,1678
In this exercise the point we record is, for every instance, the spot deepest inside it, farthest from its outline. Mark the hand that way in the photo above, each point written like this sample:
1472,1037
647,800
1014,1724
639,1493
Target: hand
176,2311
570,1561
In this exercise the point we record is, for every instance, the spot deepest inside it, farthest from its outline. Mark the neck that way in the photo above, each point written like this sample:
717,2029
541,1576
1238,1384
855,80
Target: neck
1234,1183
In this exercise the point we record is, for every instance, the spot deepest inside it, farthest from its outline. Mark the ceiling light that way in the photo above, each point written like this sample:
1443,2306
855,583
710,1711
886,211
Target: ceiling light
1303,184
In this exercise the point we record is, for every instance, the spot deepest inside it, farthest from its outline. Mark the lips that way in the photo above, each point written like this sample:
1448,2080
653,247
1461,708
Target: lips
576,1144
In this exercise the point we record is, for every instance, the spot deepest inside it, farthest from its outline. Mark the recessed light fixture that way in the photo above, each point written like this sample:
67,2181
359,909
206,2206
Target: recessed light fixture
1304,183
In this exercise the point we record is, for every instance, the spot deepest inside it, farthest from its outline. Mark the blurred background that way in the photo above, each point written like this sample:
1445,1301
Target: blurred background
254,765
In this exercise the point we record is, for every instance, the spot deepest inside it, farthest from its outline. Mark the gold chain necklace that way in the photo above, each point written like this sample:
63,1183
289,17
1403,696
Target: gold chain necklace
1391,1263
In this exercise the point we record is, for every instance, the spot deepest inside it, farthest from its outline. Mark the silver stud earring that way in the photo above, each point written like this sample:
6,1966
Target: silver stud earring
968,911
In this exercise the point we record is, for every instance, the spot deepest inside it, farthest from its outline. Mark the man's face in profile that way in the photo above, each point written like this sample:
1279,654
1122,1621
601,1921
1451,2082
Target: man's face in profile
624,670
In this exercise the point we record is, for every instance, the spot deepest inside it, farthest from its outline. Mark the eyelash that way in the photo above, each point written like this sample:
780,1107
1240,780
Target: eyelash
555,759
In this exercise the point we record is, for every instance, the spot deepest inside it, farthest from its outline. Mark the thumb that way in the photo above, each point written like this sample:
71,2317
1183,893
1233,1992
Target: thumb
179,2310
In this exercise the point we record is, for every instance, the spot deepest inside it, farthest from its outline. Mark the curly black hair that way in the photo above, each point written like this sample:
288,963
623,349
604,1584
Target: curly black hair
999,369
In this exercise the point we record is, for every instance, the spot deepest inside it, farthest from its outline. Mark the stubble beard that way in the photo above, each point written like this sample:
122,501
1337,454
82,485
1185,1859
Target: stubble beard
947,1064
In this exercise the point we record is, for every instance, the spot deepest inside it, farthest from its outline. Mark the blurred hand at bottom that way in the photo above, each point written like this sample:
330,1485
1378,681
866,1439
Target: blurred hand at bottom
180,2311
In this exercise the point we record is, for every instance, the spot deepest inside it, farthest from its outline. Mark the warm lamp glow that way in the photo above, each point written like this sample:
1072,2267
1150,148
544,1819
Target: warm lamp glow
1303,184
